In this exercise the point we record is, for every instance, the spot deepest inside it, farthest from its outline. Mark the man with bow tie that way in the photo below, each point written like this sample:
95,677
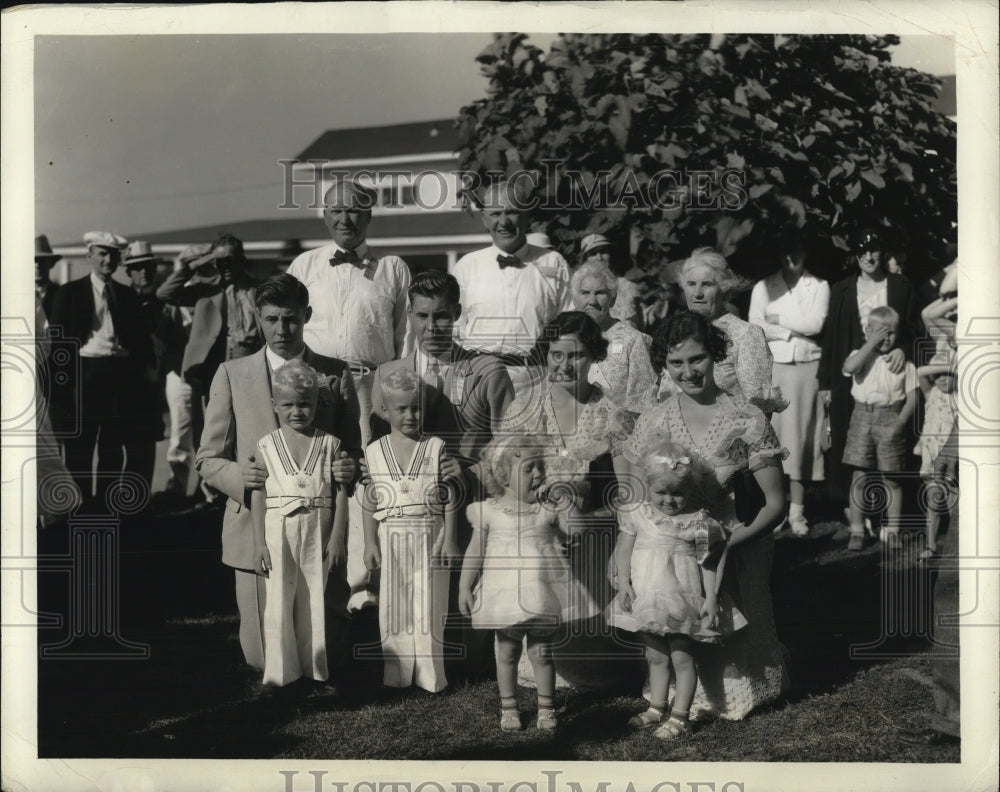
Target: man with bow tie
359,316
104,317
512,288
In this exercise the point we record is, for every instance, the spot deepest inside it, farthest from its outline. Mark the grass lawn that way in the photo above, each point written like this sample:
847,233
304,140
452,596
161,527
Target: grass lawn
194,698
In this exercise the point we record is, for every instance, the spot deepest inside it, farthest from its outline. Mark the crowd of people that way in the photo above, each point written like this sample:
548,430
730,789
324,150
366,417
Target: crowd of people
506,442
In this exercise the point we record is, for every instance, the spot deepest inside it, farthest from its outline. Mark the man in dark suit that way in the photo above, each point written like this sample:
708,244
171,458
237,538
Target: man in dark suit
103,317
45,259
239,413
850,301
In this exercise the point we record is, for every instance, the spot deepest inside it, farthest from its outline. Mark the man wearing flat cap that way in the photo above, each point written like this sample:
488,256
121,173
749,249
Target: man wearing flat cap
512,288
851,300
103,316
45,259
359,301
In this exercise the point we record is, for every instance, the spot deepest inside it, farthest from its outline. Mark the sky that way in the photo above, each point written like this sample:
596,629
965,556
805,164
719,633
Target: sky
151,133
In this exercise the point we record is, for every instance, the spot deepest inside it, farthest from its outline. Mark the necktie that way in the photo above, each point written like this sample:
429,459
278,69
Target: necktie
109,300
509,261
434,374
345,256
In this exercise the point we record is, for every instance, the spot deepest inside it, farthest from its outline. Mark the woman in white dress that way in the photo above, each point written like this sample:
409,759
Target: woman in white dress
790,306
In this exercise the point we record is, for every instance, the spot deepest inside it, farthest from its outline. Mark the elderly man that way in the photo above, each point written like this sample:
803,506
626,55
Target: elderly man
510,289
239,413
359,315
104,317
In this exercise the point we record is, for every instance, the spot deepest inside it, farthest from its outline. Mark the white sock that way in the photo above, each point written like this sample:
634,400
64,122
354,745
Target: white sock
795,510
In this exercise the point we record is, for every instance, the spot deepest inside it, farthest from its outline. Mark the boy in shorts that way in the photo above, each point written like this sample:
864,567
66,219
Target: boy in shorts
876,437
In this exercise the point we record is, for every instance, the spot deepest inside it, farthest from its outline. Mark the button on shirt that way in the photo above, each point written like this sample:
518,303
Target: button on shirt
799,311
358,312
504,310
875,384
102,342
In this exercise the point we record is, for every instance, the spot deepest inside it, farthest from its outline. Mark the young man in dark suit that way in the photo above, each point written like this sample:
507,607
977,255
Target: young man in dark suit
103,317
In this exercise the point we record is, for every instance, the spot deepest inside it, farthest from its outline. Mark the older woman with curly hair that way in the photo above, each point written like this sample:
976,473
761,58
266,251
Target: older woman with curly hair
626,373
707,281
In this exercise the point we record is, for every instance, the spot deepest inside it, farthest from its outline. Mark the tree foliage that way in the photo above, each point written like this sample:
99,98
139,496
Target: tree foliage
824,133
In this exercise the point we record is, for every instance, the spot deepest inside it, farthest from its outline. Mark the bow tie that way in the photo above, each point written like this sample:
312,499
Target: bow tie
509,261
346,257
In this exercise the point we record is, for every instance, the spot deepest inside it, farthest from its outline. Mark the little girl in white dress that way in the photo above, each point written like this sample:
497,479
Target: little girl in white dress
669,562
526,587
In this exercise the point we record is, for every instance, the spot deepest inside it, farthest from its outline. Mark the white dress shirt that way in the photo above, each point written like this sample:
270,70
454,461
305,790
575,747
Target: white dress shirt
102,342
504,310
276,361
358,312
875,384
793,313
870,295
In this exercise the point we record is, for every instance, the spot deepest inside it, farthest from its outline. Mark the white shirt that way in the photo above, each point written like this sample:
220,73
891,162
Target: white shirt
422,363
796,312
276,361
875,384
358,313
102,342
870,294
504,310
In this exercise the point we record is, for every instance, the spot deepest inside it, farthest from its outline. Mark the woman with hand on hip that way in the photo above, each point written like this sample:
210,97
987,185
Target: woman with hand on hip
790,306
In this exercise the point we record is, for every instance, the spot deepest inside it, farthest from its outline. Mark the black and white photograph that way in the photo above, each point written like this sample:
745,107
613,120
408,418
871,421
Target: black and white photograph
422,395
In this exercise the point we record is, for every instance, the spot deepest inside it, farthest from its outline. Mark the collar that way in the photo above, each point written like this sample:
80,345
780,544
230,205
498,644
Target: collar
361,250
97,284
521,252
423,359
275,361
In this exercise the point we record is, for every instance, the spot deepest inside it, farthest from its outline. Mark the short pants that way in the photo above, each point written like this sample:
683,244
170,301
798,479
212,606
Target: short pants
876,438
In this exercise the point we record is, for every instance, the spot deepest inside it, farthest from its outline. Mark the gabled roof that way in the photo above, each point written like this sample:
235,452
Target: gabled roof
421,137
296,228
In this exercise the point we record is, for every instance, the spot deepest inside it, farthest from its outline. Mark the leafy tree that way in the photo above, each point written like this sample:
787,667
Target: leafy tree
767,133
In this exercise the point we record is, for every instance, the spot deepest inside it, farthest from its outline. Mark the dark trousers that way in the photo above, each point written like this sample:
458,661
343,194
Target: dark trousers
102,398
945,658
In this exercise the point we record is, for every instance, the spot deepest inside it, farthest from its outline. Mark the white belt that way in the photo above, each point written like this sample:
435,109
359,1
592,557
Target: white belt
289,504
412,510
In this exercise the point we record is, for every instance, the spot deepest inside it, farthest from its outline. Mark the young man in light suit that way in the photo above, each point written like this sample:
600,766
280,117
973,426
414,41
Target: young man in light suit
239,413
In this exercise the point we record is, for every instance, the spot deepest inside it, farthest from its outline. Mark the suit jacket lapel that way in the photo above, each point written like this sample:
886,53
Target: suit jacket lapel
261,396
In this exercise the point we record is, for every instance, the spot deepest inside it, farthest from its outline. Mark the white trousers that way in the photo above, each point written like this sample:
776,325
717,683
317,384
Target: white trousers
294,616
181,451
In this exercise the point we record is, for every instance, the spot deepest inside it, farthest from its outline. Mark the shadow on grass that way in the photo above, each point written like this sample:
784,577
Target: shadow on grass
194,697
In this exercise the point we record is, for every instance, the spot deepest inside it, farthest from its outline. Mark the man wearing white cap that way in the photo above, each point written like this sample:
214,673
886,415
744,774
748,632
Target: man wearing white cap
512,288
103,316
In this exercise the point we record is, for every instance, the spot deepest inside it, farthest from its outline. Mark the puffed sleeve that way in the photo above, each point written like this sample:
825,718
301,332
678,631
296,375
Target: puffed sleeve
765,449
475,516
649,428
524,414
626,523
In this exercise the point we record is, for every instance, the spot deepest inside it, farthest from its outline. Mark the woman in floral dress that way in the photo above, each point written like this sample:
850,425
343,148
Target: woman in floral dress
579,431
730,435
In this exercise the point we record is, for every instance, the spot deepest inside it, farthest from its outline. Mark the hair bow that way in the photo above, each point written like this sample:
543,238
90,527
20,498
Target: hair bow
670,462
